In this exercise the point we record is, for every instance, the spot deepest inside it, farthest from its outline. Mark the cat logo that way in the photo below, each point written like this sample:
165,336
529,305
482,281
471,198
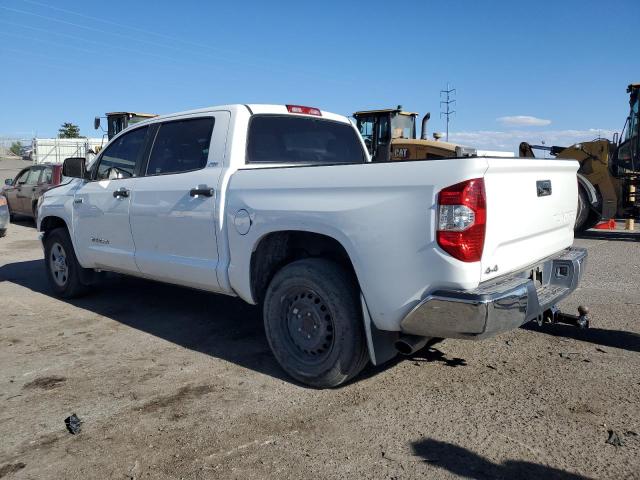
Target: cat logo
400,152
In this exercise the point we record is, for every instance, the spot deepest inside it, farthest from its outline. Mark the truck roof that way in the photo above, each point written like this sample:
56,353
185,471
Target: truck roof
252,108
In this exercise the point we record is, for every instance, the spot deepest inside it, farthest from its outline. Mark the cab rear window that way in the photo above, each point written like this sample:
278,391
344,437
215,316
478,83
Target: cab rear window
302,140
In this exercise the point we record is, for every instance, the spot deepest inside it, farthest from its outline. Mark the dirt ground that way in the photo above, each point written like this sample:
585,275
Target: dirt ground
175,383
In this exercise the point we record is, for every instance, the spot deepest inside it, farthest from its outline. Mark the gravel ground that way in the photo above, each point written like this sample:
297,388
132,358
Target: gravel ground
175,383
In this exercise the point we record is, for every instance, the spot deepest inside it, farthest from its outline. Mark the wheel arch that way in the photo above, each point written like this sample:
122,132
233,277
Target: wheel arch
51,222
276,249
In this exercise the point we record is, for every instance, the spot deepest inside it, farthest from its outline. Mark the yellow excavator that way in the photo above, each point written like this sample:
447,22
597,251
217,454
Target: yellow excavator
390,134
609,173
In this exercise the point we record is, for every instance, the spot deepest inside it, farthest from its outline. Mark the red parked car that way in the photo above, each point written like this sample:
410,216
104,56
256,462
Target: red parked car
22,192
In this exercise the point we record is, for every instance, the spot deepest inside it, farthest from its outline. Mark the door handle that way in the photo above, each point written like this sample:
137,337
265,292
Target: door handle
121,192
204,191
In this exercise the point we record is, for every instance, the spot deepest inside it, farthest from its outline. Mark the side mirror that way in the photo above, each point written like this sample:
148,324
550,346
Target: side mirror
8,181
74,167
615,138
96,123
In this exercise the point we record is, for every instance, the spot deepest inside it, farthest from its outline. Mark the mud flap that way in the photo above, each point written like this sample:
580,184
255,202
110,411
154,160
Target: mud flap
380,343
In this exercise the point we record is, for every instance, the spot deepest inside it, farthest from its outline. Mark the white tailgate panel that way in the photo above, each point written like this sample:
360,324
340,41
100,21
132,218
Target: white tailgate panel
522,227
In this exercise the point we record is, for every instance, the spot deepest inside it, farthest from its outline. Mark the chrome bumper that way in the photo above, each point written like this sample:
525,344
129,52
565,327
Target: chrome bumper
498,305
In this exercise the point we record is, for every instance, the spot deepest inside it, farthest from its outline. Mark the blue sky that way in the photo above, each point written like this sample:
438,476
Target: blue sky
565,63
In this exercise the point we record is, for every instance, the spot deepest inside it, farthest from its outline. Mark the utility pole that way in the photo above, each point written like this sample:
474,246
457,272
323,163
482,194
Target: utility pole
447,100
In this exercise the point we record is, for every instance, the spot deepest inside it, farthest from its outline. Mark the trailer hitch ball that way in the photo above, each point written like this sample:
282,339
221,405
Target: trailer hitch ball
555,315
583,317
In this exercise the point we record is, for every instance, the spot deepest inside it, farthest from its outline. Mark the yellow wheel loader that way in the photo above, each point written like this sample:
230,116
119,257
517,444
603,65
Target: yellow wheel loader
390,134
609,174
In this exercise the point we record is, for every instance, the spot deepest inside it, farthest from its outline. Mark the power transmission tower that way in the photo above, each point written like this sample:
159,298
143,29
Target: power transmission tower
446,99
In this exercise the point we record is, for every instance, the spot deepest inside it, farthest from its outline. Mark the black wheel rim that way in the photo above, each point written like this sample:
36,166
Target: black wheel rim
308,325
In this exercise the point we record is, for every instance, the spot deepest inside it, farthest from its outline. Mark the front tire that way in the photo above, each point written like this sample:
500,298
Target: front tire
313,322
63,270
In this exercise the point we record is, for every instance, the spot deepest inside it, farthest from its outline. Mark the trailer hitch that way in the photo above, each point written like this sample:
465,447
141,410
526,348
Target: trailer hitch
554,315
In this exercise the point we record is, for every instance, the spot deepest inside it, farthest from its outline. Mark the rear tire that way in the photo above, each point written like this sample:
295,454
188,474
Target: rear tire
313,322
3,232
583,210
63,270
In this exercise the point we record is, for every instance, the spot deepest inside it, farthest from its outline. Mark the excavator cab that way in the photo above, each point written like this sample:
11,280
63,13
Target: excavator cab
118,121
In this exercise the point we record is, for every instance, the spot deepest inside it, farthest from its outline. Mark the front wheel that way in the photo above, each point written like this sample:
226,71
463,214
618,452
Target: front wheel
313,322
63,270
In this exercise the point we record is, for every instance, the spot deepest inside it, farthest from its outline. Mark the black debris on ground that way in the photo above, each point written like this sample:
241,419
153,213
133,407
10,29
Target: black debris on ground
614,439
73,423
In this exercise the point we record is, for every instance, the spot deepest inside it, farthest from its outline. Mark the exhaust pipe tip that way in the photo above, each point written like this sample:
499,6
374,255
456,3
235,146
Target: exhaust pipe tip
423,133
410,344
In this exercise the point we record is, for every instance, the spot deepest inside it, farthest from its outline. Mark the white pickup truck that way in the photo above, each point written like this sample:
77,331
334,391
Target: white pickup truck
351,260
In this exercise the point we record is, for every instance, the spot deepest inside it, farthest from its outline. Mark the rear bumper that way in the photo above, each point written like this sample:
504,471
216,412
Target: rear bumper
498,305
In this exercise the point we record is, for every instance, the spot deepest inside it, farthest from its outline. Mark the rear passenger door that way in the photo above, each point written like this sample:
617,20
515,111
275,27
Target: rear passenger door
173,211
101,206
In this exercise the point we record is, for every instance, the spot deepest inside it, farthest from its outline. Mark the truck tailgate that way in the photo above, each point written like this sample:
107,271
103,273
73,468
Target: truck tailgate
531,211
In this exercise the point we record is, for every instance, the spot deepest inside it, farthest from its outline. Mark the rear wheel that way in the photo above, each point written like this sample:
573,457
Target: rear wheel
583,210
3,232
63,270
313,323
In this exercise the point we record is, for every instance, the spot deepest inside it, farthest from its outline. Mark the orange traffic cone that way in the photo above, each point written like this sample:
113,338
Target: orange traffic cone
608,225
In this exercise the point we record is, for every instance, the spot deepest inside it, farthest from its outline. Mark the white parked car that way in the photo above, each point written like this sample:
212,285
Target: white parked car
350,260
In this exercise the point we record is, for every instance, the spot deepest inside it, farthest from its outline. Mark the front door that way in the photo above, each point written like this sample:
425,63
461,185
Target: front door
101,206
27,190
173,211
14,192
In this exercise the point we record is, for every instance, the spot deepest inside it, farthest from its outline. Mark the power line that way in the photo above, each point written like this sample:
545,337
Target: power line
448,102
254,62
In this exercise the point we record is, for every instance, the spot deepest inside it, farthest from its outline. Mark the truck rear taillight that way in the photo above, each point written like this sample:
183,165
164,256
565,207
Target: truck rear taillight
462,215
304,110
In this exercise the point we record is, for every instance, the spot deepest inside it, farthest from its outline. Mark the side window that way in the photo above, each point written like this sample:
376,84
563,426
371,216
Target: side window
22,177
47,175
119,159
181,146
33,176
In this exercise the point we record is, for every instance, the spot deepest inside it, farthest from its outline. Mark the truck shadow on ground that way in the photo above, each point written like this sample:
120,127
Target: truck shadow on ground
216,325
23,221
607,338
467,464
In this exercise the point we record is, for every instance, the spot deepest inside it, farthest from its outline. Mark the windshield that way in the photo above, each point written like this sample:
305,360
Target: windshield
403,126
